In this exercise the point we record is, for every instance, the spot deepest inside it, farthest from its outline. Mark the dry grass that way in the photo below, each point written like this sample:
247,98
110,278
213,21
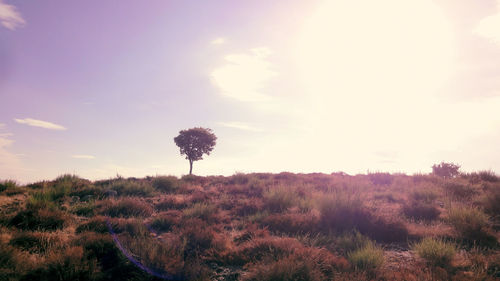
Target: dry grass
253,227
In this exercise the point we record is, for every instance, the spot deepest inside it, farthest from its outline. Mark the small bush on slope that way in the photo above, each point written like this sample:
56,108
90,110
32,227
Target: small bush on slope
436,252
128,207
34,242
42,219
279,199
291,223
342,212
421,211
131,188
166,184
369,257
471,224
166,221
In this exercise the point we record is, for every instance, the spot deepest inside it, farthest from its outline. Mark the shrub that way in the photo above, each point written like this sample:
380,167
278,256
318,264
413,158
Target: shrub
204,211
42,219
425,195
381,178
7,185
445,170
341,211
247,207
294,223
10,261
286,269
491,201
259,248
85,210
436,252
131,188
367,258
166,184
487,176
301,264
86,190
34,242
279,199
459,190
95,224
239,178
70,265
471,224
199,237
351,241
421,211
128,207
161,257
166,221
170,202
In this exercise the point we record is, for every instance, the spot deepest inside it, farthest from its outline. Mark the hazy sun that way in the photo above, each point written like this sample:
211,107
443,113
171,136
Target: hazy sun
382,52
371,71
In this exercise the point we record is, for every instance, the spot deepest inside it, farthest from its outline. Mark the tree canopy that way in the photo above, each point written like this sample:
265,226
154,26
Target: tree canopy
194,143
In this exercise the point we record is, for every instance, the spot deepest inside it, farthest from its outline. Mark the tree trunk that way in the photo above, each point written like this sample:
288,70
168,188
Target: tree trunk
190,166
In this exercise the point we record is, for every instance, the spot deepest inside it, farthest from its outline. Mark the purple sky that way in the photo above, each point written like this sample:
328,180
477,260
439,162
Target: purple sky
100,88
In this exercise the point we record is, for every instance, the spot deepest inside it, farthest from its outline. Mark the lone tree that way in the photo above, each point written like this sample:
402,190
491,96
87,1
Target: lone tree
194,143
446,170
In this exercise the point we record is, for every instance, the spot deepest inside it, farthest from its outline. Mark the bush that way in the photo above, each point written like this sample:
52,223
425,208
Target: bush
128,207
166,221
70,265
303,264
459,190
166,184
85,210
247,207
42,219
279,199
131,188
367,258
425,195
381,178
471,224
199,237
96,224
421,211
341,211
491,202
445,170
436,252
7,184
351,241
34,242
204,211
170,202
295,223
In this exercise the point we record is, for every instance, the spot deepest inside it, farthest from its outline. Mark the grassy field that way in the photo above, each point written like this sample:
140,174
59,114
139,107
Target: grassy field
283,226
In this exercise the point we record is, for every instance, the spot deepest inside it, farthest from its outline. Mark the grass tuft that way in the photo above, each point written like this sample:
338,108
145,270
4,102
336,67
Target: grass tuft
435,251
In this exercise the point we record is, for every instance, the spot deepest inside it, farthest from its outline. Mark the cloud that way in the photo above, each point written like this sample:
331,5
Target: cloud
489,27
218,41
244,75
83,156
40,123
239,126
9,17
2,125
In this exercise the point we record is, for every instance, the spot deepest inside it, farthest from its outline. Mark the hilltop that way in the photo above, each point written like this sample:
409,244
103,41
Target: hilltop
261,226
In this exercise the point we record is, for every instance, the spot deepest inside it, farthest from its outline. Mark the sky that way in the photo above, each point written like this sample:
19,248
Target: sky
101,88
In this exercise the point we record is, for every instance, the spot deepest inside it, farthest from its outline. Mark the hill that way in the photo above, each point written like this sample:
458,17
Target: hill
283,226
